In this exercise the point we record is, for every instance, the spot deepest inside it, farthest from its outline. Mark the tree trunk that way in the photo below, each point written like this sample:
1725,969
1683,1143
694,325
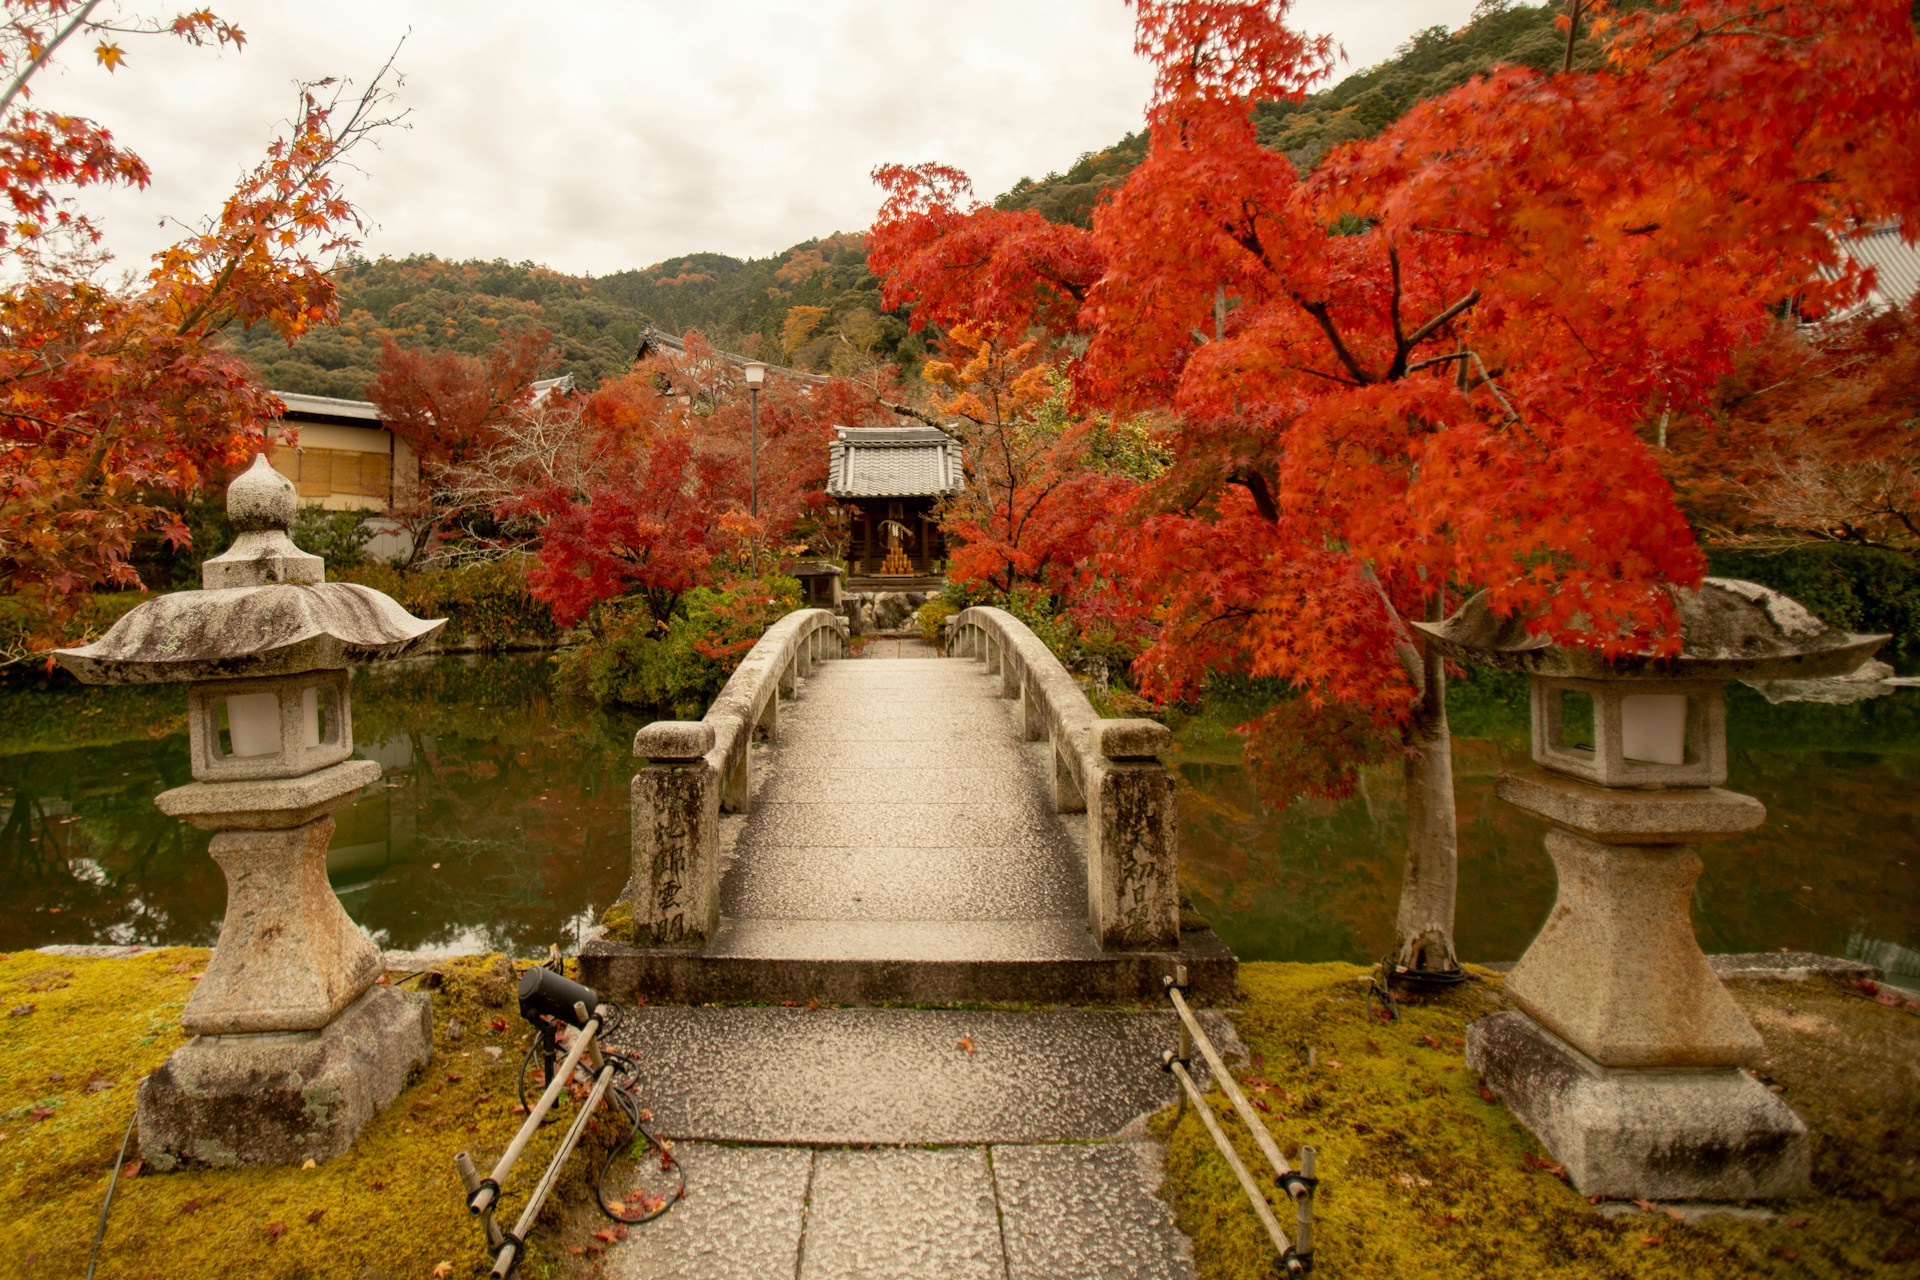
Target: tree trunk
1427,890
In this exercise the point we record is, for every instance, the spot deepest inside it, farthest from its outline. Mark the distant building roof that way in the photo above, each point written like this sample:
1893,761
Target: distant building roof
329,409
358,413
893,462
1895,263
654,340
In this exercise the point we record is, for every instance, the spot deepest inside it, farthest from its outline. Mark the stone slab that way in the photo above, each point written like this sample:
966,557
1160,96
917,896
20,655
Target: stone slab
797,780
905,884
1678,816
684,975
284,1098
858,1076
917,753
1032,938
741,1219
1789,966
905,726
902,1215
1019,821
1714,1135
1087,1209
267,804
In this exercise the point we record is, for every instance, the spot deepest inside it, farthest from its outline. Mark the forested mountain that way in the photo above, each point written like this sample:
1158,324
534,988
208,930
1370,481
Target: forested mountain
429,303
816,303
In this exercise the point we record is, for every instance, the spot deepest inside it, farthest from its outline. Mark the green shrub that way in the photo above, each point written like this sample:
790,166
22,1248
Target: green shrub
338,537
675,669
932,614
486,604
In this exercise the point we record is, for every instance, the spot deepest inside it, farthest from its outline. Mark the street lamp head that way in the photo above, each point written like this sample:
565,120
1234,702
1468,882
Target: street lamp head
756,371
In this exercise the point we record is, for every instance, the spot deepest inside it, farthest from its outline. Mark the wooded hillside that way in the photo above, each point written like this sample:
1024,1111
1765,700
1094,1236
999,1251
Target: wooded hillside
816,303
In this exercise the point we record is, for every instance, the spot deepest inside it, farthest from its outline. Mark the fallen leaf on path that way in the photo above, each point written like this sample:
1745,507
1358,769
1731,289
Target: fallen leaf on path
313,1219
275,1230
443,1269
966,1042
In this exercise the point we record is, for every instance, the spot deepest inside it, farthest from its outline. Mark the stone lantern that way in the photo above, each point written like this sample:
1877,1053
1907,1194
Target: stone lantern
295,1046
1625,1053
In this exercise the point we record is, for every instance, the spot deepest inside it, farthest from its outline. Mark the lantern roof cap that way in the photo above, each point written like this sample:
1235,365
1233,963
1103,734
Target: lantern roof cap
264,610
1730,629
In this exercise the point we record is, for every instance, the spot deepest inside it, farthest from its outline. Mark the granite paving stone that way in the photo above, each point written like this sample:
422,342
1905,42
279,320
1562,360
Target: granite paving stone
902,1215
1021,821
853,1076
741,1219
1087,1210
906,884
934,784
1038,938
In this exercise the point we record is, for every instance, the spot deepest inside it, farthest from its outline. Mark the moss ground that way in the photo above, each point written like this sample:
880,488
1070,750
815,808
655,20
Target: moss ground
1426,1177
390,1207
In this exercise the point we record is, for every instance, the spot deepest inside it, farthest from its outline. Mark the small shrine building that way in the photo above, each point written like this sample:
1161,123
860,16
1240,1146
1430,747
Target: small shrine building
890,479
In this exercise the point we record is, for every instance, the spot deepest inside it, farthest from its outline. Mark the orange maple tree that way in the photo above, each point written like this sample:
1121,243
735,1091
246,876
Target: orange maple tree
1419,371
117,398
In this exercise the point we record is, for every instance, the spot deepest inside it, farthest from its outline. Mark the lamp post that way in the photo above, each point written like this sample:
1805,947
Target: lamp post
756,371
295,1045
1623,1052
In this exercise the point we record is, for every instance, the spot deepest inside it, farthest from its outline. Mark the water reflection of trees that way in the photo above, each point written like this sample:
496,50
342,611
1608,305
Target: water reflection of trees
521,798
1839,855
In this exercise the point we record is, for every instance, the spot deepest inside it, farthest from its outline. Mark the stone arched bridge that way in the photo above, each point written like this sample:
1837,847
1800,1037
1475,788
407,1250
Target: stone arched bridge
923,830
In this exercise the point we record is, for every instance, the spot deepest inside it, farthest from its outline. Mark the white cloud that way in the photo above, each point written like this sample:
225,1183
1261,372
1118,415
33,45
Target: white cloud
606,135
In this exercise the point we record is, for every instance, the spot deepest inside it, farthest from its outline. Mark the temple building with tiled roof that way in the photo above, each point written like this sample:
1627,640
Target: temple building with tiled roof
890,479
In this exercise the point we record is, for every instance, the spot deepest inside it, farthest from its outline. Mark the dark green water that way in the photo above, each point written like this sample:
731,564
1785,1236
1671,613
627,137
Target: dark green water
502,823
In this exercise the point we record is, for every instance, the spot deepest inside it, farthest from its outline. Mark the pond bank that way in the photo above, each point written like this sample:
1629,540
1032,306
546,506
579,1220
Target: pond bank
1422,1175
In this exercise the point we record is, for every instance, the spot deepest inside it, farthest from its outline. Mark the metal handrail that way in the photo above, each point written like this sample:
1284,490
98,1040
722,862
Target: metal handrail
1296,1256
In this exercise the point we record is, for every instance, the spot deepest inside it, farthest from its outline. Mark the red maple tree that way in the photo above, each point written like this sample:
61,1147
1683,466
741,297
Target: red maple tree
117,398
1418,372
451,409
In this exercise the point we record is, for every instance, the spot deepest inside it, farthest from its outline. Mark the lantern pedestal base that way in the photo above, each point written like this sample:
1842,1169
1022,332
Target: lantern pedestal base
1635,1133
284,1097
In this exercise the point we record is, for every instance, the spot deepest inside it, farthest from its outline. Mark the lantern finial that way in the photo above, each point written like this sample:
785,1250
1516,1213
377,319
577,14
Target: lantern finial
262,505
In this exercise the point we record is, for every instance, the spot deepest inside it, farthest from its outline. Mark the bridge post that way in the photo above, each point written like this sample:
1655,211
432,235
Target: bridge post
673,888
1067,796
1033,711
1011,669
789,674
1133,892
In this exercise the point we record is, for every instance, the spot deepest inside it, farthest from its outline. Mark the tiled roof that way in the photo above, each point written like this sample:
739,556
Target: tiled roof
893,462
1895,263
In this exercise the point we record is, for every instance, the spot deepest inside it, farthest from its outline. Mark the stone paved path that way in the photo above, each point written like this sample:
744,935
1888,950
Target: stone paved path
900,815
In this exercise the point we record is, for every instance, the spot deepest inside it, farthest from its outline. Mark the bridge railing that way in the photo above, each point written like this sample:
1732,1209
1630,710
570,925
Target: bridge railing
1108,769
695,768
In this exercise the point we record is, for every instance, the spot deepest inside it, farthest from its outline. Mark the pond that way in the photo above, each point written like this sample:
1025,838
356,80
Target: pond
501,822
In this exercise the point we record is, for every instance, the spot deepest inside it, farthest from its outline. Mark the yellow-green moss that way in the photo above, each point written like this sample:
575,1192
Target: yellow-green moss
390,1206
1425,1177
617,920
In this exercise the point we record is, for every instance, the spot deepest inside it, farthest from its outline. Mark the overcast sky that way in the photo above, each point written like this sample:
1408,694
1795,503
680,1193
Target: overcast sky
611,134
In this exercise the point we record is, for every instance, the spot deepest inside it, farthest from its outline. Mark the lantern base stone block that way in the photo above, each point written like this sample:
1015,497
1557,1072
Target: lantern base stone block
284,1098
1629,1133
